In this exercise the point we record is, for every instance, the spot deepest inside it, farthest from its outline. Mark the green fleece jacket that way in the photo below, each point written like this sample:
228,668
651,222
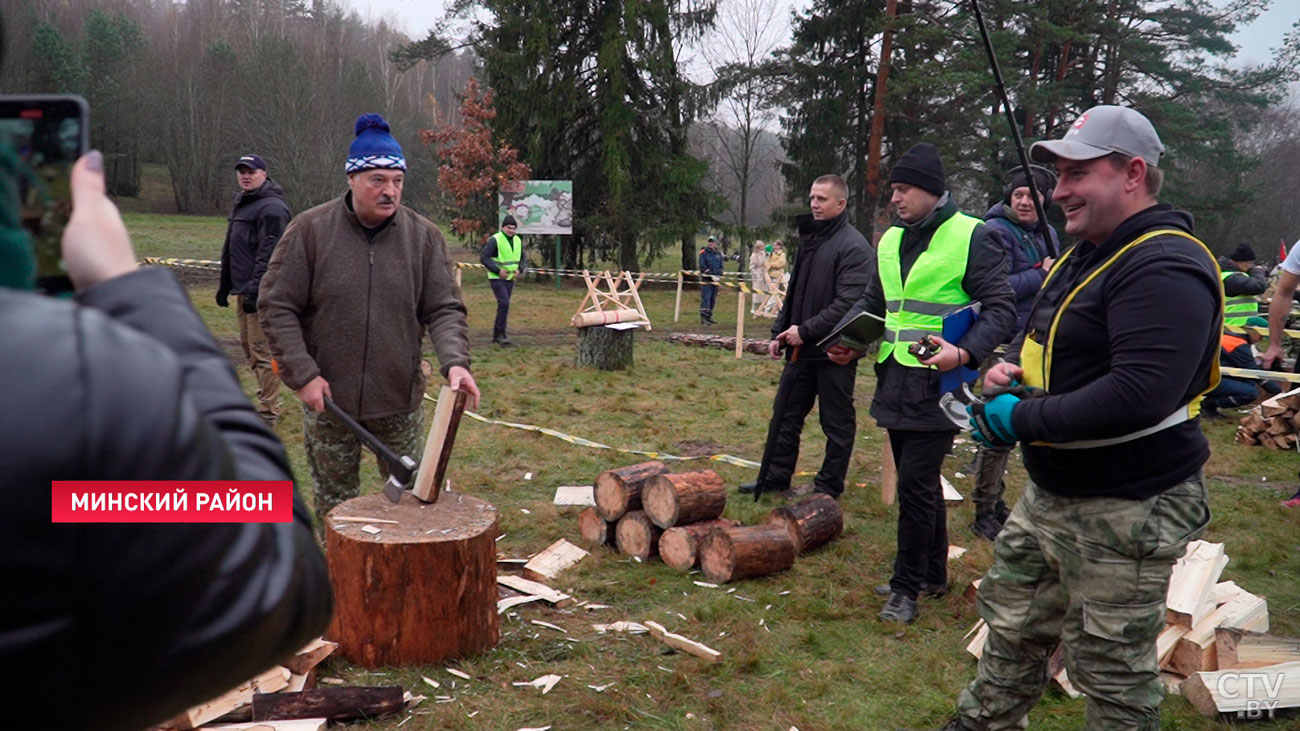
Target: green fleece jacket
354,311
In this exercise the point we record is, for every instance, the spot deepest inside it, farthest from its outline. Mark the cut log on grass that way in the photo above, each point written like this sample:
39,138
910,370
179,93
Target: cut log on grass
637,536
336,704
618,491
728,554
1259,692
437,448
1238,648
812,522
392,601
555,558
1196,651
605,348
676,498
1191,581
595,530
679,545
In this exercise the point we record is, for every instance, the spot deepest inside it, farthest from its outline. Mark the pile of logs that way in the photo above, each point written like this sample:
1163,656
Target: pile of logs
751,345
1274,423
1215,648
284,699
647,511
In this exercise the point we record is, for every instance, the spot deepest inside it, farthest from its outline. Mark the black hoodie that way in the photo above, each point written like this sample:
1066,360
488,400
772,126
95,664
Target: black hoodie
1133,346
257,221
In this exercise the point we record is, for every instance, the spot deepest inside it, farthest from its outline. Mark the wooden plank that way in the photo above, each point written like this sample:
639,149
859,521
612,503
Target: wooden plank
310,656
1259,692
1238,648
519,583
437,448
275,679
552,560
574,495
514,601
1191,582
950,493
981,634
678,642
332,703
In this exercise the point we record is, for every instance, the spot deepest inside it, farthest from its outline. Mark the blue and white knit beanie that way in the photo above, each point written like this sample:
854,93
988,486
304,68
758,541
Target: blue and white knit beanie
374,147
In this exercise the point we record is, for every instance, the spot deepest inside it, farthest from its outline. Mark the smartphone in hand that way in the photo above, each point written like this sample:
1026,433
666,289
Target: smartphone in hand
47,133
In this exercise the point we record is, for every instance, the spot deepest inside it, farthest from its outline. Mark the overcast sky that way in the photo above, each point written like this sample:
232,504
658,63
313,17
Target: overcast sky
417,17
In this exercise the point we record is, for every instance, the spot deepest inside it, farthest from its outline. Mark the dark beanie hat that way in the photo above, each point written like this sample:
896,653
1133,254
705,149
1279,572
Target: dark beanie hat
509,221
920,166
1243,253
1044,181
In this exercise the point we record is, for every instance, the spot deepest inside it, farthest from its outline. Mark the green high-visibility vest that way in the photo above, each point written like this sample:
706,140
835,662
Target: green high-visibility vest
1236,310
933,289
508,253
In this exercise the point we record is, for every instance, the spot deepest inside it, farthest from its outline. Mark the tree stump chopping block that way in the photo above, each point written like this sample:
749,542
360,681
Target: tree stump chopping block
637,536
416,591
727,554
683,497
812,522
679,545
604,348
618,491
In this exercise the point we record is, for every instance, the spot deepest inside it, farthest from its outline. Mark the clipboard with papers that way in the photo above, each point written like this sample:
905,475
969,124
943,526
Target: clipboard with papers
858,332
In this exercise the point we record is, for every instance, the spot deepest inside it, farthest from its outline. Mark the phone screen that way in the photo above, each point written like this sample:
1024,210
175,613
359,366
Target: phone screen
48,133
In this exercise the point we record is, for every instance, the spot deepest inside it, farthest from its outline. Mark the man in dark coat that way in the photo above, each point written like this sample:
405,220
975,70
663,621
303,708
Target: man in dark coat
933,263
257,221
832,269
711,267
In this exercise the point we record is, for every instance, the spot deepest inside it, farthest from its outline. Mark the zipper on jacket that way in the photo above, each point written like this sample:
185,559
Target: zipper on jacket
365,338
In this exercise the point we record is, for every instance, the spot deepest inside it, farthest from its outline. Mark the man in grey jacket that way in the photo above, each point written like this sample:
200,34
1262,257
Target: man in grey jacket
349,293
257,221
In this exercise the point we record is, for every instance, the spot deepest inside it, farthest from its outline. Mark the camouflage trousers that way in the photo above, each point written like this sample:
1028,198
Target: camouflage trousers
258,354
990,470
1092,572
334,454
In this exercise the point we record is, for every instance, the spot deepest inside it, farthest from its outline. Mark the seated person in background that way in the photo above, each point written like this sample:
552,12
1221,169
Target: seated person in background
1235,352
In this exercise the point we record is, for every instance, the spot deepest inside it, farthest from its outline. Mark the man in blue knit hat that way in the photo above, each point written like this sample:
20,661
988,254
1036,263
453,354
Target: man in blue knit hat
347,297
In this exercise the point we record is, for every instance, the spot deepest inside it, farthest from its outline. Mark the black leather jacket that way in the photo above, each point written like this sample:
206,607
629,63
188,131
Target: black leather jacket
119,626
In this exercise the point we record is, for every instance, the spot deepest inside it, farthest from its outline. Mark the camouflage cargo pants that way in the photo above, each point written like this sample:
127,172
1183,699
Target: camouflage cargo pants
1091,571
258,354
334,454
990,472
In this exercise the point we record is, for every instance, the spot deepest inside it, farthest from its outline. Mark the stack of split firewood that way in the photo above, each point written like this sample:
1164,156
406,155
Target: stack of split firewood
646,511
284,698
1274,423
1215,648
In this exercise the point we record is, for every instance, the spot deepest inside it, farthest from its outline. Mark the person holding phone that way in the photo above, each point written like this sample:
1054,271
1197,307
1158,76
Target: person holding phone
257,221
125,382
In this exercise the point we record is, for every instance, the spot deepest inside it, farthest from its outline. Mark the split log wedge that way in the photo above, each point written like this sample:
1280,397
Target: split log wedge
618,491
677,498
728,554
812,522
679,545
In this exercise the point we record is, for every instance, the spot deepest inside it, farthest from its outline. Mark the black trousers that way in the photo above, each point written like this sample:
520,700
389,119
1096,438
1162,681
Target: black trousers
802,384
922,515
501,289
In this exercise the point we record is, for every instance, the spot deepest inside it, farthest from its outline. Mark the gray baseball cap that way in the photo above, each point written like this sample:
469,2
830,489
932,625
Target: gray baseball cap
1101,131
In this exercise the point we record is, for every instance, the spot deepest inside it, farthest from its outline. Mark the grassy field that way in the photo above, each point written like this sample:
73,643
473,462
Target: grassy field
802,648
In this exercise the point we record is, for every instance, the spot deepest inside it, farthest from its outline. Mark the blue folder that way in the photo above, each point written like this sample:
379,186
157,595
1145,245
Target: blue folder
955,327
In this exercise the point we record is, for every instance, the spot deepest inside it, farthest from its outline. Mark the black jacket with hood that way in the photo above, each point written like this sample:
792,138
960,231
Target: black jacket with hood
908,398
257,221
1132,346
136,621
831,270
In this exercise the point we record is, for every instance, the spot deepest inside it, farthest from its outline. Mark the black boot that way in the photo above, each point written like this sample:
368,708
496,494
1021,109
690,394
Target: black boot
899,608
986,526
1001,511
926,589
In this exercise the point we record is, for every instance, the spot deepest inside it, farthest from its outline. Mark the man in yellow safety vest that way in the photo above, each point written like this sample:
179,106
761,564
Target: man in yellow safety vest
503,255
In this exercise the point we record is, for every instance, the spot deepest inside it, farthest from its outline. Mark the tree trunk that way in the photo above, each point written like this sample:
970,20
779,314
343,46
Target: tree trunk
637,536
595,530
684,497
391,602
604,348
618,491
679,545
868,226
727,554
812,522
